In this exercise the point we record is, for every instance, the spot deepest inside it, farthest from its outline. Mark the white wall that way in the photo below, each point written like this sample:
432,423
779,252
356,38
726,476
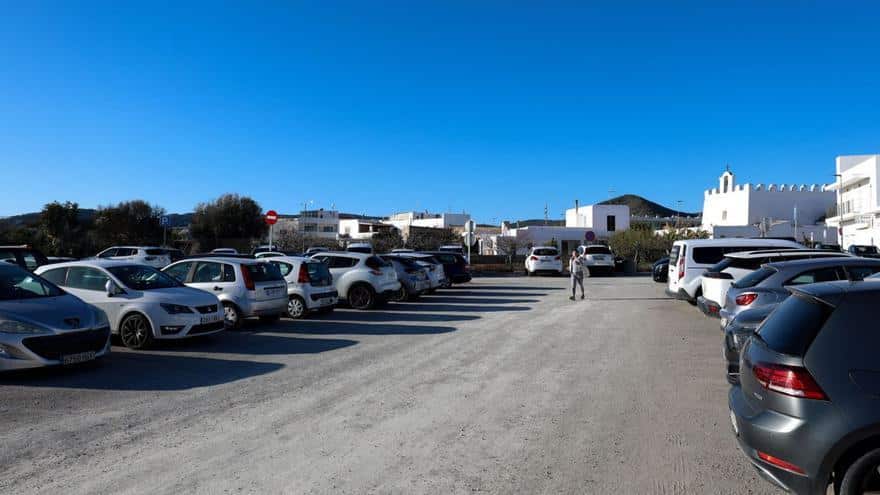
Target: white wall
858,215
594,217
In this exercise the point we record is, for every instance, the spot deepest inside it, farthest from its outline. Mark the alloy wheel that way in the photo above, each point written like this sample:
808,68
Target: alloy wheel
295,307
135,332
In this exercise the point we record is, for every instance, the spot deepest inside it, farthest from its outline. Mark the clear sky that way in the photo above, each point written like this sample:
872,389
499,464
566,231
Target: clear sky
494,108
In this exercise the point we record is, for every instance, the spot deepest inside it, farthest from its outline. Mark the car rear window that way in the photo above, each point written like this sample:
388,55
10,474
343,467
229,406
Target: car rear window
791,328
754,278
319,274
545,252
673,255
375,263
264,272
596,250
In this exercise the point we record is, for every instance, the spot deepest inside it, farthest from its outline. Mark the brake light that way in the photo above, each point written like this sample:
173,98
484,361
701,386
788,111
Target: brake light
794,381
303,276
681,268
558,257
246,277
746,298
769,459
533,258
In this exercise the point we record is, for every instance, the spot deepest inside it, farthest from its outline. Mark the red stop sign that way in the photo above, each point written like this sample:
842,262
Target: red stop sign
271,217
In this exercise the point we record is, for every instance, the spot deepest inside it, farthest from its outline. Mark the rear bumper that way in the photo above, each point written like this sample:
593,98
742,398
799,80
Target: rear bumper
271,307
681,295
709,308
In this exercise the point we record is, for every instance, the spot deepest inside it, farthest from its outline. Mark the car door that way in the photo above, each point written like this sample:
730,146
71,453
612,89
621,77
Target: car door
180,271
214,277
125,254
89,284
107,253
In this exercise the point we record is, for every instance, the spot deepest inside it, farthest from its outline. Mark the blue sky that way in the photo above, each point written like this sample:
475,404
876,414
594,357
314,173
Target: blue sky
491,107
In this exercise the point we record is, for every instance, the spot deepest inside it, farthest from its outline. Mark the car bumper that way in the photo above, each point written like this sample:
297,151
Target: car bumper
775,434
321,300
269,307
37,351
731,359
182,326
545,267
681,295
708,307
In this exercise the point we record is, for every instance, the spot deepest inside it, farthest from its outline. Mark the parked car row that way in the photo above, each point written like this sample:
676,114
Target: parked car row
597,258
800,354
65,313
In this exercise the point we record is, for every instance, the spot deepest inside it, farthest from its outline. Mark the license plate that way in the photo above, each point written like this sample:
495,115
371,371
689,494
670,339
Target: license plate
211,319
733,423
80,357
271,292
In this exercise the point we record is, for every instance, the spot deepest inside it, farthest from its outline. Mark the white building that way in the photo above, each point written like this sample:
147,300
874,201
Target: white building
857,203
360,229
745,210
311,223
602,220
408,219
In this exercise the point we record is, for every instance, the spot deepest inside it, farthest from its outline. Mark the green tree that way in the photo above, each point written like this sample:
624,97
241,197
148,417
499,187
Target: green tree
228,217
428,239
387,239
129,222
60,226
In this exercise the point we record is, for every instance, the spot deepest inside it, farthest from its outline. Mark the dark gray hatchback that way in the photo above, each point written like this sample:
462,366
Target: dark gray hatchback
807,409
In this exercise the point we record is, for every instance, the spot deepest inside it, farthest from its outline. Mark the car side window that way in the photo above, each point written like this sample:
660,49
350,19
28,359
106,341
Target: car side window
207,271
861,272
284,267
55,276
125,252
814,276
342,262
180,271
228,273
86,278
108,253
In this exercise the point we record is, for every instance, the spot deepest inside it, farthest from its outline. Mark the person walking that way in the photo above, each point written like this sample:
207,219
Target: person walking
576,268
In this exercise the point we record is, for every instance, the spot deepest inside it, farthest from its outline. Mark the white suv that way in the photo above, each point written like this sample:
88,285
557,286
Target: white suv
141,303
363,280
544,259
309,285
597,258
245,287
141,255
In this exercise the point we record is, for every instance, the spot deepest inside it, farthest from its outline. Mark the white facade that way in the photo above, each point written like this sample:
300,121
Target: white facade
311,223
565,238
431,220
360,229
746,205
603,220
857,200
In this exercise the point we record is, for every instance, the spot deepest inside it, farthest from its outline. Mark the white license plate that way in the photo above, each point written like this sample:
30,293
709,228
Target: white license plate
272,292
211,319
733,422
80,357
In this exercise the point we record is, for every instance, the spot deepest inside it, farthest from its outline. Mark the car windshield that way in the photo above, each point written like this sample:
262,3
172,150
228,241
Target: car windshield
754,278
139,277
596,250
264,272
16,283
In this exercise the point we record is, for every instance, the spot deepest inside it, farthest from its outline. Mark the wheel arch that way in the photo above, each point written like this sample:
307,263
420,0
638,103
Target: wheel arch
848,450
125,313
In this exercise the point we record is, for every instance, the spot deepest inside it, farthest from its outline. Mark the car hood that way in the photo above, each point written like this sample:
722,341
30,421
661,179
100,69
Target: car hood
62,313
187,296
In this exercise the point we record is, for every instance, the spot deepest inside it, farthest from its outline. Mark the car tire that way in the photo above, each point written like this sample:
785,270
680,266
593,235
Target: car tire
861,475
296,307
135,332
361,296
401,295
232,316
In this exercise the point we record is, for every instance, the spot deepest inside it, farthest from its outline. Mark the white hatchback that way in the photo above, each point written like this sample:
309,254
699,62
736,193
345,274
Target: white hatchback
544,259
309,285
142,255
141,303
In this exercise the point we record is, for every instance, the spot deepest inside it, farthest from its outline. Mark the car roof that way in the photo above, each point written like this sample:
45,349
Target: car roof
132,247
831,292
97,263
823,261
226,259
298,259
785,253
739,241
350,254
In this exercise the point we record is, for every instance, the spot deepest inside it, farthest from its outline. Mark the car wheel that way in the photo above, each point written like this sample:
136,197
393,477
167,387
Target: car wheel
361,296
136,332
296,307
232,316
401,295
862,476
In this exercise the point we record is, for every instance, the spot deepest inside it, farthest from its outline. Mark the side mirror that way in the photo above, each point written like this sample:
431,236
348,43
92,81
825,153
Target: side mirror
113,289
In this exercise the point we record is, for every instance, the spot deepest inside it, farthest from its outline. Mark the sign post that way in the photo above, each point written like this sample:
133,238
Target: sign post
164,221
469,238
271,219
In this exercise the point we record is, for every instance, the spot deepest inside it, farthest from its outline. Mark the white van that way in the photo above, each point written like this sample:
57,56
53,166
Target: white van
688,259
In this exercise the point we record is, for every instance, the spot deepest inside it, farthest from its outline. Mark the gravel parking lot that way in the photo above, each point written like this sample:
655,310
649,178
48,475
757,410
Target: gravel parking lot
500,386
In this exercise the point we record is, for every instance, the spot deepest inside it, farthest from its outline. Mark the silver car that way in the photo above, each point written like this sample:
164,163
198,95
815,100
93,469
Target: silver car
41,325
770,283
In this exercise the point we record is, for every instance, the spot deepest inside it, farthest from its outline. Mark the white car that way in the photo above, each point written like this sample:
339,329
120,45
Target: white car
141,255
716,281
689,259
141,303
309,285
224,251
544,259
597,258
245,287
270,254
360,247
436,272
363,280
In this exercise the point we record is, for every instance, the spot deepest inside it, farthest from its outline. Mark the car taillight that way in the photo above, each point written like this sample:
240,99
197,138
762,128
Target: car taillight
533,258
246,276
303,276
557,258
794,381
681,268
746,298
769,459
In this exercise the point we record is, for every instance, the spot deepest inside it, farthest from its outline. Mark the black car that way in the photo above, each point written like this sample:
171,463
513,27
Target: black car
28,258
660,270
454,265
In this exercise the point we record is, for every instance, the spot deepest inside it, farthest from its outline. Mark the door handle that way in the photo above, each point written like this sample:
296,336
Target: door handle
218,288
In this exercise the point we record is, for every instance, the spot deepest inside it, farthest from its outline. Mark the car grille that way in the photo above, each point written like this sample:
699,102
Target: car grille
54,346
208,327
207,309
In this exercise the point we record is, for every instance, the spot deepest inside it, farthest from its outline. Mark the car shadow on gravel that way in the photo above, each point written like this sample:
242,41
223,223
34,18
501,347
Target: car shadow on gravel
263,342
143,371
471,300
460,293
394,313
463,308
509,288
318,327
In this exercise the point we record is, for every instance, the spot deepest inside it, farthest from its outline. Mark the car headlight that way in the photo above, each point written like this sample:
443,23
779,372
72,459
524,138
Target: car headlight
101,320
21,328
175,309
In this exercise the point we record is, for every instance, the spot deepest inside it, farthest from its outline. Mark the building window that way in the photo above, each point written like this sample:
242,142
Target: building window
726,179
724,215
328,228
610,223
310,228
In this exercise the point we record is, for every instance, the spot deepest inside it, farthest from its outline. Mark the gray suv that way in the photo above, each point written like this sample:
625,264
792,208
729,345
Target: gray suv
807,409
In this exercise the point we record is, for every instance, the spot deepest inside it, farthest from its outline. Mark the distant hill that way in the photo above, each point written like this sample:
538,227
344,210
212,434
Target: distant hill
641,207
87,215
